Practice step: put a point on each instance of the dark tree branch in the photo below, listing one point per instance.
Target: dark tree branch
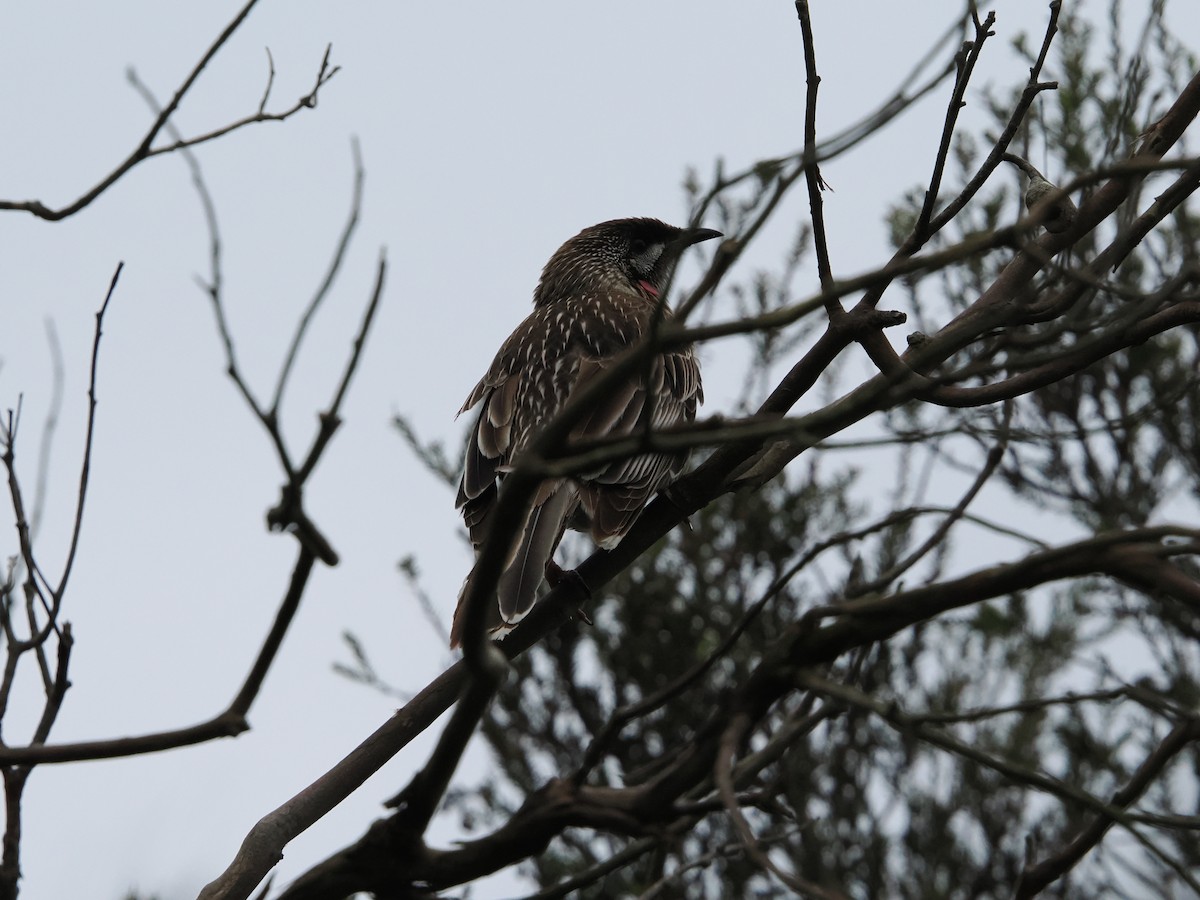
(86, 468)
(418, 801)
(1108, 814)
(787, 169)
(965, 63)
(998, 304)
(731, 738)
(860, 623)
(145, 150)
(56, 683)
(323, 289)
(330, 418)
(1036, 878)
(289, 514)
(812, 175)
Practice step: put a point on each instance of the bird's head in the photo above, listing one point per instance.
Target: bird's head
(627, 254)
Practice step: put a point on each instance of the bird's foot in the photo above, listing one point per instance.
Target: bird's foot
(675, 495)
(556, 575)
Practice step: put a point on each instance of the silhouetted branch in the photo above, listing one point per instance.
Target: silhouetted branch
(86, 468)
(313, 546)
(735, 733)
(785, 170)
(1108, 813)
(40, 597)
(965, 62)
(1036, 878)
(812, 175)
(145, 150)
(322, 292)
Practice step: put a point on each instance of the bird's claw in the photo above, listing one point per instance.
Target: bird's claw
(556, 575)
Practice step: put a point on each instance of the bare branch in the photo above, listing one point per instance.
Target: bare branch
(86, 468)
(145, 150)
(335, 265)
(49, 427)
(330, 418)
(812, 175)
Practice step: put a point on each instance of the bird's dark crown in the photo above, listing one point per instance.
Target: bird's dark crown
(620, 254)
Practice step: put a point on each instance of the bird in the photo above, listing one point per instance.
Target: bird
(1056, 215)
(599, 294)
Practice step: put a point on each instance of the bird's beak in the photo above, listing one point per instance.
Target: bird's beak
(696, 235)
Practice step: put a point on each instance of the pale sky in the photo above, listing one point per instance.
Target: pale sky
(490, 133)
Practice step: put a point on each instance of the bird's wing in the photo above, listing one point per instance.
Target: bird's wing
(499, 425)
(538, 370)
(507, 415)
(488, 448)
(666, 395)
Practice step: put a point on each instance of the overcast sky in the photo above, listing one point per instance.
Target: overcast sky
(490, 133)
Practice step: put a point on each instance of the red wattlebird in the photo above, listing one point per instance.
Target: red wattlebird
(598, 295)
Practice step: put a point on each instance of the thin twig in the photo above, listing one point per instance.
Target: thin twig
(262, 104)
(145, 150)
(966, 60)
(938, 535)
(86, 468)
(812, 174)
(322, 292)
(1108, 814)
(329, 419)
(49, 427)
(732, 737)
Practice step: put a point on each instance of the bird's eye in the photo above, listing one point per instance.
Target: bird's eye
(637, 247)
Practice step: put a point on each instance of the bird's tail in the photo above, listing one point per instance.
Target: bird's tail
(523, 573)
